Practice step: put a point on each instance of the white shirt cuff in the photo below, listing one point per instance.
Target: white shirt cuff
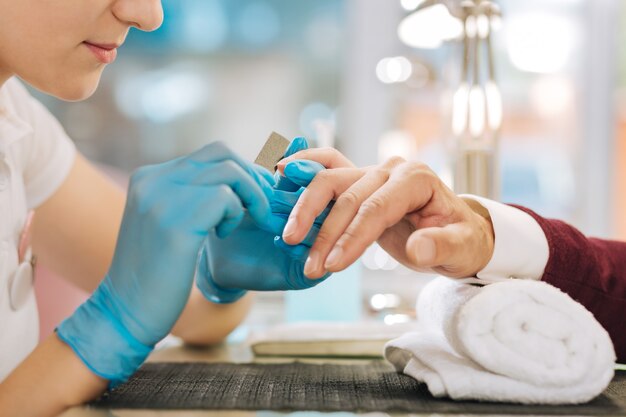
(520, 248)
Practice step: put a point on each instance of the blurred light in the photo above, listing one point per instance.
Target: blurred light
(375, 258)
(460, 103)
(410, 4)
(204, 25)
(324, 132)
(380, 258)
(258, 24)
(482, 24)
(313, 116)
(368, 257)
(394, 70)
(162, 96)
(384, 261)
(494, 105)
(396, 319)
(429, 27)
(382, 301)
(396, 143)
(540, 42)
(476, 111)
(391, 264)
(470, 27)
(420, 76)
(496, 23)
(378, 301)
(551, 96)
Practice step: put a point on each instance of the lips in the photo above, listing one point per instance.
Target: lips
(105, 53)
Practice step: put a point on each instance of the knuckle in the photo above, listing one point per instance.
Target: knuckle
(331, 151)
(394, 161)
(210, 151)
(335, 154)
(224, 192)
(348, 199)
(418, 172)
(230, 166)
(378, 174)
(349, 235)
(418, 165)
(324, 176)
(373, 206)
(324, 238)
(322, 184)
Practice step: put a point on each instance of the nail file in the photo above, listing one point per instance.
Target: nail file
(272, 152)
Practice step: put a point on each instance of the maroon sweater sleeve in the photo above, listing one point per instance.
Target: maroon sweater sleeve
(592, 271)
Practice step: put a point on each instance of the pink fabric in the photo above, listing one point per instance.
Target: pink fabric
(56, 299)
(590, 270)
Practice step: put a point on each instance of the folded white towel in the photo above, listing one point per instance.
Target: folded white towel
(514, 341)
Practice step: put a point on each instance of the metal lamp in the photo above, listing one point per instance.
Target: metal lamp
(477, 103)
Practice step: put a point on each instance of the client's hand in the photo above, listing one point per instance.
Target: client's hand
(403, 205)
(254, 257)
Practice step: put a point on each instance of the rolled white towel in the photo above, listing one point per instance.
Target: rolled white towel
(514, 341)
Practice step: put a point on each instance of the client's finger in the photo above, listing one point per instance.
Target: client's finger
(343, 213)
(329, 157)
(324, 188)
(407, 190)
(444, 249)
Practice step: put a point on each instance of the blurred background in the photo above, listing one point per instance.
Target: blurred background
(345, 73)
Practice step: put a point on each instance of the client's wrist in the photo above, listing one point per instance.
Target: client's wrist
(485, 235)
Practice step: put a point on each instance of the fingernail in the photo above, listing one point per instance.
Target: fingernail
(425, 251)
(334, 257)
(311, 264)
(290, 227)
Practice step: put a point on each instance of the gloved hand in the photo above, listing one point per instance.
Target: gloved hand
(170, 210)
(254, 257)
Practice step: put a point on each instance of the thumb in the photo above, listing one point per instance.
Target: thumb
(444, 249)
(296, 145)
(302, 172)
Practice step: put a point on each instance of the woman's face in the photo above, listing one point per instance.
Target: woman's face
(62, 46)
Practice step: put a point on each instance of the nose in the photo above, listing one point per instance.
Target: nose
(146, 15)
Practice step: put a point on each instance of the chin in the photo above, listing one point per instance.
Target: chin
(76, 91)
(71, 87)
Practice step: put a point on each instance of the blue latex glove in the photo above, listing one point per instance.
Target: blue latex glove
(171, 208)
(254, 257)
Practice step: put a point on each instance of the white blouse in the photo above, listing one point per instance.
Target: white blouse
(35, 158)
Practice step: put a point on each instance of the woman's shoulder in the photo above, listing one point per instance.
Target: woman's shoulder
(16, 100)
(13, 92)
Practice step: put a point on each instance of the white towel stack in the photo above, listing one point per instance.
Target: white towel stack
(513, 341)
